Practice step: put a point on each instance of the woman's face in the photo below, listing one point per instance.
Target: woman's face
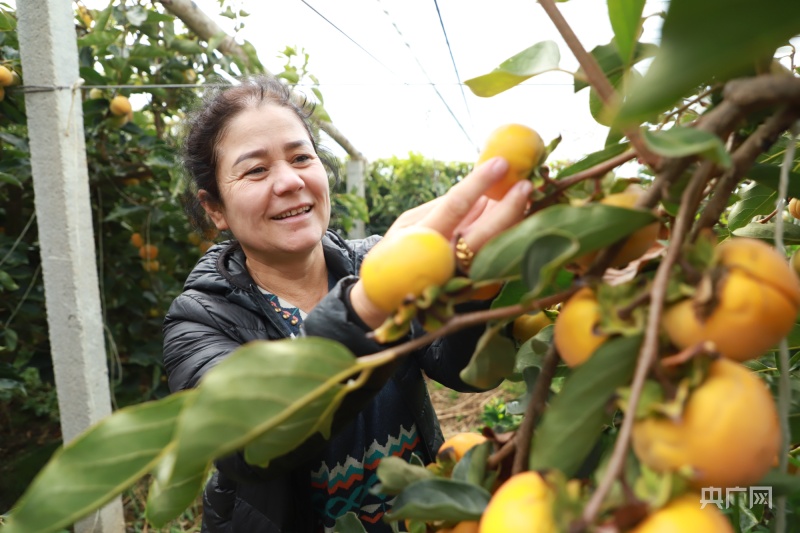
(274, 188)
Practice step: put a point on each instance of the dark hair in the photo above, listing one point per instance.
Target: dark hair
(208, 122)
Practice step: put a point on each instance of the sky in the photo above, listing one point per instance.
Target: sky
(391, 83)
(391, 71)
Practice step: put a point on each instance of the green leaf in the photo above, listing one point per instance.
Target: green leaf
(7, 282)
(537, 59)
(12, 337)
(472, 467)
(395, 474)
(97, 466)
(545, 257)
(754, 200)
(709, 41)
(533, 351)
(349, 523)
(187, 47)
(575, 417)
(440, 499)
(286, 391)
(7, 21)
(769, 175)
(781, 483)
(766, 232)
(681, 141)
(593, 226)
(17, 142)
(99, 39)
(166, 498)
(611, 63)
(492, 362)
(594, 159)
(626, 21)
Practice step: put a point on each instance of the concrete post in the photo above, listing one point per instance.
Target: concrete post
(49, 53)
(356, 168)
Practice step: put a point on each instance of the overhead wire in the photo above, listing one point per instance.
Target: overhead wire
(433, 85)
(452, 58)
(337, 28)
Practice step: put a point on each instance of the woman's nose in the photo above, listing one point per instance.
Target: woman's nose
(286, 179)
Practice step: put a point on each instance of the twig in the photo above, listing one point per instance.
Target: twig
(497, 458)
(743, 159)
(784, 383)
(649, 350)
(740, 97)
(691, 102)
(768, 217)
(534, 410)
(460, 322)
(597, 171)
(596, 77)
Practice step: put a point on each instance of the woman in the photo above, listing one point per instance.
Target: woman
(257, 172)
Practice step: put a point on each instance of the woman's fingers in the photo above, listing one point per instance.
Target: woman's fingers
(462, 197)
(501, 216)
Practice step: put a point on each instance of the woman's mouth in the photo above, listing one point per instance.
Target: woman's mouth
(292, 212)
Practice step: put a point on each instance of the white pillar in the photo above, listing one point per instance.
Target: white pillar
(49, 52)
(355, 171)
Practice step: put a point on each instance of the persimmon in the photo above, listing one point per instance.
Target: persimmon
(148, 251)
(151, 265)
(404, 264)
(521, 146)
(754, 302)
(524, 502)
(120, 106)
(685, 513)
(137, 240)
(467, 526)
(794, 208)
(635, 244)
(6, 77)
(460, 443)
(575, 333)
(727, 435)
(527, 326)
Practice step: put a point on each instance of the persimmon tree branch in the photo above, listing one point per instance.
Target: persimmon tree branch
(465, 320)
(647, 355)
(741, 97)
(743, 158)
(596, 77)
(534, 410)
(205, 28)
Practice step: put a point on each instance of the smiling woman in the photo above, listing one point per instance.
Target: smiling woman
(256, 172)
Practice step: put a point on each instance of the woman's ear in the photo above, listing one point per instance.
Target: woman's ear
(213, 209)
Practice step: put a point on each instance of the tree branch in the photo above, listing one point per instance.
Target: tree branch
(205, 28)
(534, 410)
(649, 350)
(743, 158)
(596, 77)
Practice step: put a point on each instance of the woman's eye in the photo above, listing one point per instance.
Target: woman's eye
(256, 170)
(302, 158)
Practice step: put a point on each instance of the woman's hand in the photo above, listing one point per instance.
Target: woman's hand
(463, 212)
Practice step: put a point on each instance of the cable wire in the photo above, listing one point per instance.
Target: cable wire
(337, 28)
(452, 59)
(433, 85)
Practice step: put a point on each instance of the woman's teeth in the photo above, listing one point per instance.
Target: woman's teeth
(293, 212)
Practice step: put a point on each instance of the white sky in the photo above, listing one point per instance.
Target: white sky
(381, 99)
(376, 80)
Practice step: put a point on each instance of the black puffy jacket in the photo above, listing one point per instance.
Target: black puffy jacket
(221, 308)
